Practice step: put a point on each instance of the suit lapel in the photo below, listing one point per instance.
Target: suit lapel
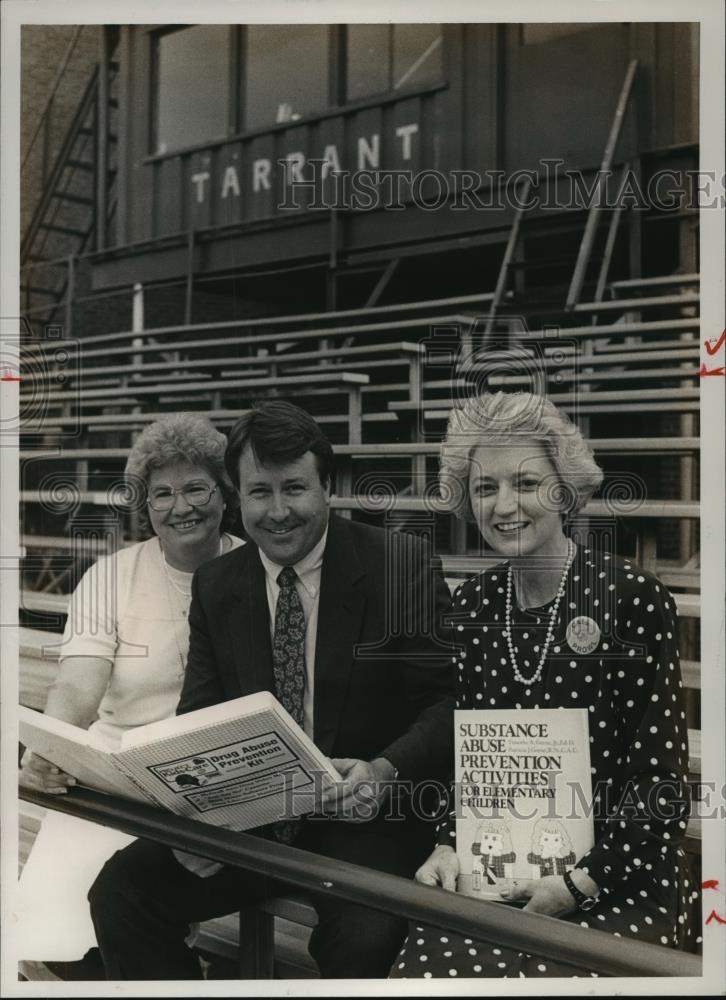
(248, 624)
(342, 605)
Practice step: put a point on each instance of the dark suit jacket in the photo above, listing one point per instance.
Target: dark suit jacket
(383, 677)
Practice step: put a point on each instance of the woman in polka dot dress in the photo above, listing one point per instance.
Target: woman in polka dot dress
(518, 466)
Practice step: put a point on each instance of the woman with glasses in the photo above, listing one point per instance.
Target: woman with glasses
(125, 643)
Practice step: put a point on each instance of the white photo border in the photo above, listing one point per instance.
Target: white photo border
(710, 14)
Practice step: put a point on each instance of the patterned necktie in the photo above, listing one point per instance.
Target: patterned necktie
(288, 664)
(288, 646)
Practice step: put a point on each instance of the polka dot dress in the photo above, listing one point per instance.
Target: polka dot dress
(631, 686)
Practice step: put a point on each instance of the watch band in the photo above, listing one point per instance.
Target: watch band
(583, 901)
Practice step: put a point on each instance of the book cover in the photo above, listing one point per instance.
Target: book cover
(240, 764)
(74, 751)
(523, 791)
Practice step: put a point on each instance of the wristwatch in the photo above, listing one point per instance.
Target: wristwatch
(583, 902)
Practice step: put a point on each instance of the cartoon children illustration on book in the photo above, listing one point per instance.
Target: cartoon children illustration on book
(551, 848)
(492, 850)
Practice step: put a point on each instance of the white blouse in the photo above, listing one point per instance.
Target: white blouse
(131, 608)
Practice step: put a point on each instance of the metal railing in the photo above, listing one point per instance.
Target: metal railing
(51, 182)
(588, 949)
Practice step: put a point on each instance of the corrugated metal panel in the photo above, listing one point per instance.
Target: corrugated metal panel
(242, 180)
(561, 95)
(663, 81)
(479, 96)
(685, 90)
(168, 202)
(138, 179)
(500, 106)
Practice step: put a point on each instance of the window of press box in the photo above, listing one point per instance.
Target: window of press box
(286, 73)
(192, 86)
(386, 57)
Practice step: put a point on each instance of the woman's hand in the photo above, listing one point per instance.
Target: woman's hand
(42, 776)
(74, 698)
(440, 868)
(548, 895)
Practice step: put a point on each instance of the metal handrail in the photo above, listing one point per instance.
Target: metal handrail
(596, 951)
(51, 182)
(588, 237)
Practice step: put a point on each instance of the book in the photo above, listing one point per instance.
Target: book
(523, 795)
(239, 764)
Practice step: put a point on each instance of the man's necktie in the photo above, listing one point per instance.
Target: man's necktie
(288, 664)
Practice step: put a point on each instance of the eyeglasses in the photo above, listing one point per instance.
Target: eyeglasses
(196, 495)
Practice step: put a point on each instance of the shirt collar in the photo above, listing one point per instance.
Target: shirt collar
(308, 569)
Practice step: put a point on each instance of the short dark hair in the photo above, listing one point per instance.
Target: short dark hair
(278, 432)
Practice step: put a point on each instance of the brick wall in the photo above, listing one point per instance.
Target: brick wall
(42, 50)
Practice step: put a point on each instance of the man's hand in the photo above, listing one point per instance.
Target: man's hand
(357, 798)
(548, 895)
(440, 868)
(42, 776)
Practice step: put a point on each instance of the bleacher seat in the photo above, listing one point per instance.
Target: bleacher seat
(377, 361)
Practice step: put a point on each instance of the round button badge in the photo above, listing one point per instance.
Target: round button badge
(583, 634)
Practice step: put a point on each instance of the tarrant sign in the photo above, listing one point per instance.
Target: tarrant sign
(261, 170)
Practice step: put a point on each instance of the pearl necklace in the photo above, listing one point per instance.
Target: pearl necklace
(571, 550)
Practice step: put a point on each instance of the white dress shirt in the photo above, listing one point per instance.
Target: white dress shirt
(308, 572)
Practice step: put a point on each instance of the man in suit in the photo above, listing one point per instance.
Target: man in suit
(342, 622)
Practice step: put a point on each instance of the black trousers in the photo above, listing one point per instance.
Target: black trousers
(143, 902)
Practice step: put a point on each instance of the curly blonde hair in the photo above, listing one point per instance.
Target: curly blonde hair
(506, 417)
(182, 437)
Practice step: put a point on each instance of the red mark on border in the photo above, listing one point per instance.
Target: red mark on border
(719, 344)
(715, 916)
(711, 371)
(710, 883)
